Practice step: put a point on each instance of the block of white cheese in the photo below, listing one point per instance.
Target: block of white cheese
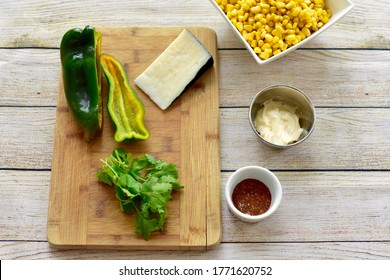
(175, 70)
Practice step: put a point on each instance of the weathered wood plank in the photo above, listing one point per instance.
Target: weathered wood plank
(27, 136)
(316, 206)
(24, 197)
(29, 77)
(225, 251)
(328, 77)
(19, 21)
(321, 206)
(344, 138)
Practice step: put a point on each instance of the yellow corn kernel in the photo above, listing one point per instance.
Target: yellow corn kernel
(265, 46)
(287, 17)
(304, 15)
(276, 33)
(258, 17)
(264, 55)
(245, 7)
(276, 52)
(279, 28)
(290, 31)
(240, 26)
(258, 36)
(244, 17)
(278, 18)
(295, 12)
(303, 36)
(290, 37)
(306, 31)
(268, 37)
(264, 6)
(254, 43)
(280, 4)
(257, 50)
(229, 7)
(256, 10)
(249, 37)
(248, 27)
(290, 5)
(257, 25)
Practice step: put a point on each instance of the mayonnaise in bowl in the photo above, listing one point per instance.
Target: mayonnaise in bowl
(282, 116)
(278, 123)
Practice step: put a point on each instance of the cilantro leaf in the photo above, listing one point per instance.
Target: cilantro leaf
(143, 185)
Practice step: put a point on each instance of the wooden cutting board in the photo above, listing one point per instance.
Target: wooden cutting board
(84, 213)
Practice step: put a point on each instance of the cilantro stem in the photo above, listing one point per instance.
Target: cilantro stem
(109, 166)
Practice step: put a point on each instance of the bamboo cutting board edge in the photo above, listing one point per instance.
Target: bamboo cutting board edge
(191, 237)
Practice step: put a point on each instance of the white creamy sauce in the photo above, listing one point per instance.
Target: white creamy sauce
(278, 123)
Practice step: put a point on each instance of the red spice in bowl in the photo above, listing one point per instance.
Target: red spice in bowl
(251, 197)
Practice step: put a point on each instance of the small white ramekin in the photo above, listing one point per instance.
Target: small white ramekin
(261, 174)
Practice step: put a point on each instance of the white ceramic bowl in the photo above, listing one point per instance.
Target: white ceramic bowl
(339, 9)
(261, 174)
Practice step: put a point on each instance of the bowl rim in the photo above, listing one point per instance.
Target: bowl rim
(296, 90)
(230, 187)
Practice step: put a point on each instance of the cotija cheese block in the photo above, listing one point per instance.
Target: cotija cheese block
(175, 70)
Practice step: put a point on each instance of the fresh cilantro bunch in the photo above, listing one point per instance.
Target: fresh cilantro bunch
(143, 185)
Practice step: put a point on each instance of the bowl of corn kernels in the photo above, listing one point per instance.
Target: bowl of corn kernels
(270, 29)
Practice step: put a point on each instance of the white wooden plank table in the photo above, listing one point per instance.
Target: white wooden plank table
(336, 202)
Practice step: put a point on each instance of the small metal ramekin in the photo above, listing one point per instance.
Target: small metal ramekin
(289, 95)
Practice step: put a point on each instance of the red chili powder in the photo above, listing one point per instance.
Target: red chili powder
(252, 197)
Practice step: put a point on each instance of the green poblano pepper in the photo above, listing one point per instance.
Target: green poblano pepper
(81, 74)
